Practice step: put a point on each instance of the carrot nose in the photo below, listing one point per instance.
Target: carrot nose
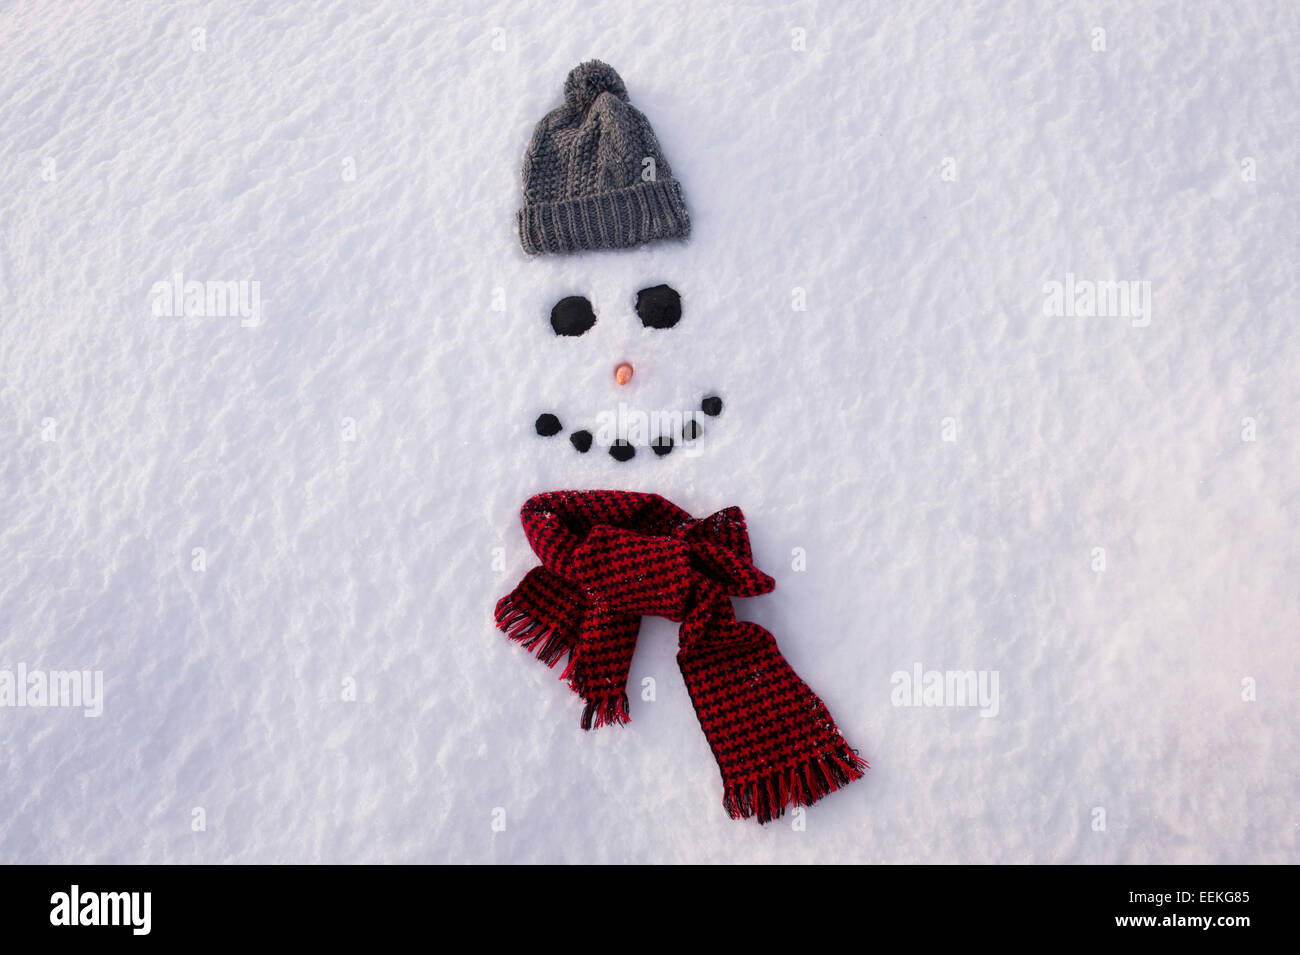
(623, 373)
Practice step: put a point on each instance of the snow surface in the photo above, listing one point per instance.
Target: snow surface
(132, 439)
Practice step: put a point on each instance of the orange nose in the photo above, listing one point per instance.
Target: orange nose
(623, 373)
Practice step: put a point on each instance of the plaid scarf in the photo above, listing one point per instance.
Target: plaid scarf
(609, 558)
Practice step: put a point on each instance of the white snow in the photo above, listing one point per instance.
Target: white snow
(1157, 696)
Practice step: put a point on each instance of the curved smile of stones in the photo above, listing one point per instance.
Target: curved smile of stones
(624, 432)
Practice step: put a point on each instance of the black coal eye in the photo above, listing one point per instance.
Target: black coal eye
(659, 306)
(572, 316)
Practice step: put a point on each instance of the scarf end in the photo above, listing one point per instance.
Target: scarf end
(800, 783)
(606, 711)
(548, 644)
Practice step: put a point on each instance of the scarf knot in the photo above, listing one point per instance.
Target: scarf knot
(608, 558)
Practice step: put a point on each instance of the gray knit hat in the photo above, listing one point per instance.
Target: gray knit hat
(594, 176)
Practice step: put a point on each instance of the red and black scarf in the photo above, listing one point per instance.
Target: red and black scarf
(612, 557)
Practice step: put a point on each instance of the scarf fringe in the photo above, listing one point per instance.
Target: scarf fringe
(606, 711)
(801, 783)
(570, 669)
(548, 644)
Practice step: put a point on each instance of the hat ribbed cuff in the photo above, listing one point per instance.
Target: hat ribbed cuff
(607, 220)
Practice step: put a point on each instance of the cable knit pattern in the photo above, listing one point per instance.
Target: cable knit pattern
(585, 173)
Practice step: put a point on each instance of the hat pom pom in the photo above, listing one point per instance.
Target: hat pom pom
(588, 80)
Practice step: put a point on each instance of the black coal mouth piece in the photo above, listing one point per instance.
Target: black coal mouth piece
(676, 434)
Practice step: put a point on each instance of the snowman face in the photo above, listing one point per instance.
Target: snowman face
(658, 308)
